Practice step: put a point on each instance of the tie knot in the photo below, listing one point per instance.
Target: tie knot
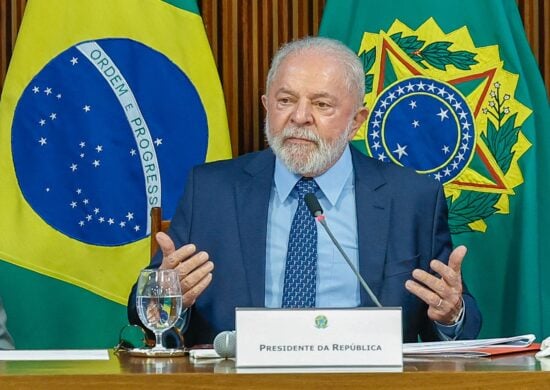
(305, 186)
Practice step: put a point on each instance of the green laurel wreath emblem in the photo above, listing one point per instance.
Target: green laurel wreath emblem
(435, 54)
(468, 208)
(321, 322)
(500, 137)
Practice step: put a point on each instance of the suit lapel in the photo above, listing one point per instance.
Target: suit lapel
(373, 213)
(252, 194)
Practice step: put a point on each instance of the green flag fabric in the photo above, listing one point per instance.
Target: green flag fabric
(106, 107)
(455, 93)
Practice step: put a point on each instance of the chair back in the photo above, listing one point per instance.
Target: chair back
(157, 225)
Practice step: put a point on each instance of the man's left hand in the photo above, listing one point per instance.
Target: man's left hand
(442, 294)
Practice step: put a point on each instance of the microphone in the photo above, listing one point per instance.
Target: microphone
(316, 210)
(225, 343)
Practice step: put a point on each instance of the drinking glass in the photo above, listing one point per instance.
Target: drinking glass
(159, 301)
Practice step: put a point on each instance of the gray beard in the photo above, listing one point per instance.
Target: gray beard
(307, 160)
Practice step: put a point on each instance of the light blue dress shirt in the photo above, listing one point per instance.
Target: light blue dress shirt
(337, 285)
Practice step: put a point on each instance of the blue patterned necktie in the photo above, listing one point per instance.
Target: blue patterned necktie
(301, 258)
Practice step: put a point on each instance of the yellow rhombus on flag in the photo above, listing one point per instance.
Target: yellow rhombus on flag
(107, 105)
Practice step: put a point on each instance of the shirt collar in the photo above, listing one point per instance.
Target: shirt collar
(331, 182)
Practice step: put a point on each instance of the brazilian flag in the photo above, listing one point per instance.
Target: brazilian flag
(455, 93)
(107, 105)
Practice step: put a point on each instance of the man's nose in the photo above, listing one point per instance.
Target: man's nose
(302, 114)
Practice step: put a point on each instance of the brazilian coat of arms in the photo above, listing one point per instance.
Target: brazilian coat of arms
(446, 108)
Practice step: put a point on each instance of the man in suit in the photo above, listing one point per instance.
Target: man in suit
(230, 235)
(6, 342)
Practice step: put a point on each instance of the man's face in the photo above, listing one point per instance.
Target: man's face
(311, 115)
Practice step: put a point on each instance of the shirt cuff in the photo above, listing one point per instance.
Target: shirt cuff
(451, 332)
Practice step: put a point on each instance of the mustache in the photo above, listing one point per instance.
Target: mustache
(300, 132)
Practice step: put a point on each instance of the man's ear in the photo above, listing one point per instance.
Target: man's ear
(264, 101)
(358, 119)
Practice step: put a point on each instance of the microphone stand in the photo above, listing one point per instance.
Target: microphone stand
(315, 208)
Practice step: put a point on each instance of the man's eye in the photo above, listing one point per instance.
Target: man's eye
(323, 105)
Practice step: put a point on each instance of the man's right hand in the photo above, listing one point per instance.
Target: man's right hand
(194, 268)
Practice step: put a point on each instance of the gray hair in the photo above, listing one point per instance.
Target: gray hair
(354, 76)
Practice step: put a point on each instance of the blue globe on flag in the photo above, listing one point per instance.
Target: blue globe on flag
(424, 124)
(105, 131)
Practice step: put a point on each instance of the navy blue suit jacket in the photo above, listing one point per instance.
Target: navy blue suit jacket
(401, 221)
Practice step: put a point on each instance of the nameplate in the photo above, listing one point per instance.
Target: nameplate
(319, 337)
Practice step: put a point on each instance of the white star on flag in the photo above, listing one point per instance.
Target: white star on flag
(400, 151)
(443, 114)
